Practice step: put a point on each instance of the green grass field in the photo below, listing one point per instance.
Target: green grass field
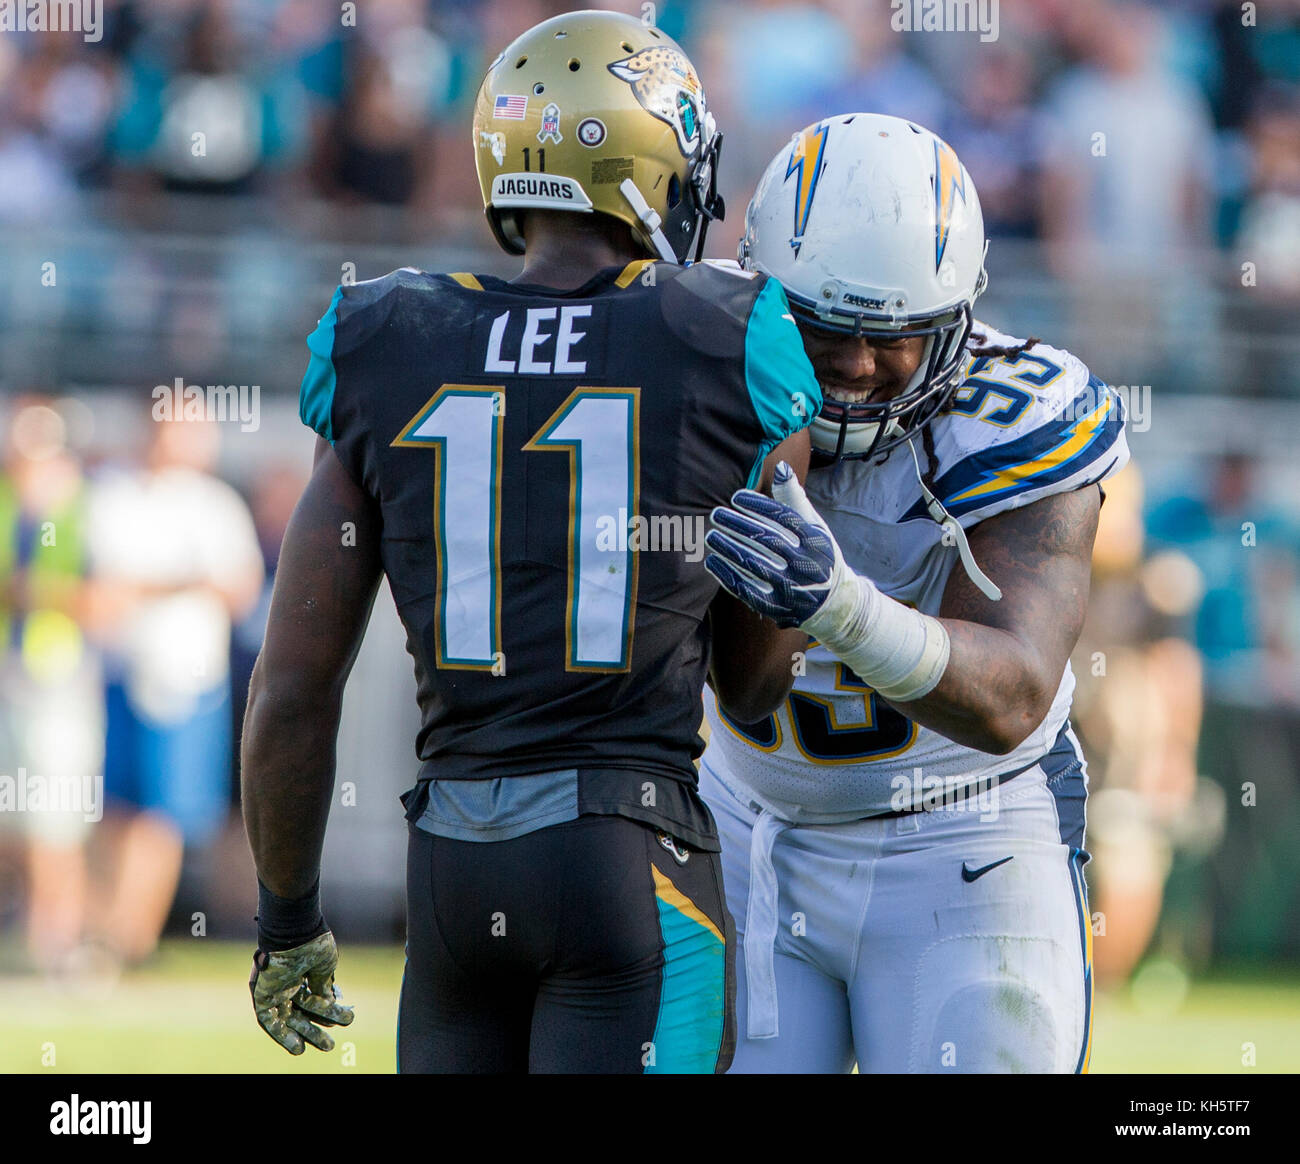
(189, 1011)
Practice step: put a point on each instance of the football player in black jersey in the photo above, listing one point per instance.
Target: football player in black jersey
(531, 464)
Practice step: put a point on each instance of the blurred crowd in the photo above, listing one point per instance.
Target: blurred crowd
(134, 584)
(1188, 704)
(368, 104)
(269, 130)
(1145, 157)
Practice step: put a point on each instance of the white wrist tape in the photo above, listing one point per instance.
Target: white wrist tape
(898, 651)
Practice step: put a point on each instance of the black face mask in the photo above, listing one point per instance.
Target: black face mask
(698, 203)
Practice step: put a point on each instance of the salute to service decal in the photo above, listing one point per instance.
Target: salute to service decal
(550, 124)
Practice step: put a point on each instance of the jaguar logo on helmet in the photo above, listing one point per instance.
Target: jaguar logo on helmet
(667, 88)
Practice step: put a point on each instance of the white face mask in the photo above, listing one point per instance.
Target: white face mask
(825, 435)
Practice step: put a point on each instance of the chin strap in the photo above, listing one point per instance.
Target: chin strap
(649, 219)
(935, 507)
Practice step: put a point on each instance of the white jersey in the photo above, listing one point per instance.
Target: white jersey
(1016, 431)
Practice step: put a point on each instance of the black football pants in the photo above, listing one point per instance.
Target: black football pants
(582, 947)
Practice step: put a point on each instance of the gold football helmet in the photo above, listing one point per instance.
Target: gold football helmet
(597, 112)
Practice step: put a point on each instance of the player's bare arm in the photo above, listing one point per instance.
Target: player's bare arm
(324, 589)
(752, 669)
(982, 673)
(1006, 657)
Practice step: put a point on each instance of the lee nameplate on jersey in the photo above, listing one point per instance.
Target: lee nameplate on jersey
(566, 339)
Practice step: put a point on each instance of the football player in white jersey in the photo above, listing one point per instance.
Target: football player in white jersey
(903, 839)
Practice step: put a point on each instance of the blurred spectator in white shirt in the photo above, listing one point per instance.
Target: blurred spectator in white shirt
(175, 559)
(1128, 150)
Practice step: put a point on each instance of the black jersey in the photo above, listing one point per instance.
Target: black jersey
(545, 464)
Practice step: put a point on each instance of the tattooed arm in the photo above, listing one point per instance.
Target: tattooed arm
(1007, 657)
(751, 668)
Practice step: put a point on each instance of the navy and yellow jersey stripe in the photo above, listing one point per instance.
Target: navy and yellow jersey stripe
(1014, 435)
(1082, 445)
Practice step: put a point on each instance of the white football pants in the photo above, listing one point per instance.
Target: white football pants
(872, 941)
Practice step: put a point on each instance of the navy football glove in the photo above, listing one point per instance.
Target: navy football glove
(775, 554)
(778, 557)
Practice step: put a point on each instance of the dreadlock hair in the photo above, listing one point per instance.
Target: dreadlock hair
(1002, 351)
(995, 351)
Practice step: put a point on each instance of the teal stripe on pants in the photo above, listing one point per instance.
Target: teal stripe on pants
(692, 1000)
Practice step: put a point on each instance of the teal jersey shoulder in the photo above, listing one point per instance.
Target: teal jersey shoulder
(355, 313)
(316, 395)
(782, 386)
(782, 390)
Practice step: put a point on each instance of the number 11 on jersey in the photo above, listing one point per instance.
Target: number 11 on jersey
(599, 429)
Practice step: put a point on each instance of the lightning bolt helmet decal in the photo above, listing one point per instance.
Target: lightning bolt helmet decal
(806, 159)
(949, 185)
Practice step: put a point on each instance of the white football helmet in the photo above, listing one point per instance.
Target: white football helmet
(872, 225)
